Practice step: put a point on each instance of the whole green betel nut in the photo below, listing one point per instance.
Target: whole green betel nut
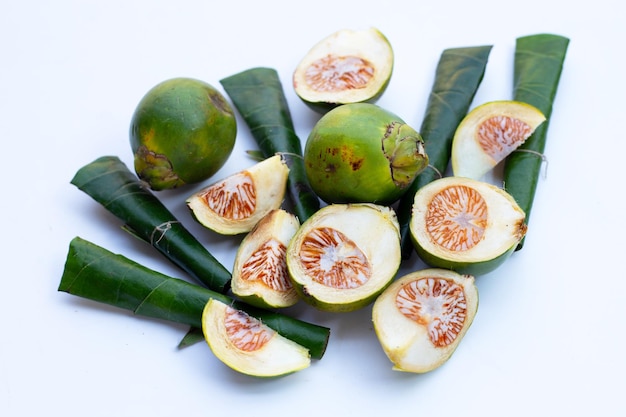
(363, 153)
(182, 132)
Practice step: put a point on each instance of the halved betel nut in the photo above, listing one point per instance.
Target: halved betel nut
(489, 133)
(421, 318)
(348, 66)
(344, 255)
(260, 275)
(465, 225)
(247, 345)
(235, 204)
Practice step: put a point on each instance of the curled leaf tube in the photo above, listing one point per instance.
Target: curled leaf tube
(457, 78)
(94, 273)
(259, 97)
(109, 181)
(537, 71)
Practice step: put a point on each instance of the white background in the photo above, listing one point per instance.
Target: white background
(548, 337)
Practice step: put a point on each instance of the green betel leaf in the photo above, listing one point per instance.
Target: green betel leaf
(537, 71)
(457, 78)
(95, 273)
(193, 336)
(259, 97)
(109, 181)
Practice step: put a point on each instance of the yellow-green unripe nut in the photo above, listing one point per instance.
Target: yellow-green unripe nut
(363, 153)
(182, 132)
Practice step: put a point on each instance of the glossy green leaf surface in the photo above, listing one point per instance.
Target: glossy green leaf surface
(457, 78)
(537, 71)
(258, 95)
(95, 273)
(109, 181)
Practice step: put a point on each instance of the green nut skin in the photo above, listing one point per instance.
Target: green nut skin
(362, 153)
(182, 132)
(469, 268)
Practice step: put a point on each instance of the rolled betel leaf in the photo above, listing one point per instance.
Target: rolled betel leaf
(538, 64)
(258, 95)
(109, 181)
(457, 78)
(93, 272)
